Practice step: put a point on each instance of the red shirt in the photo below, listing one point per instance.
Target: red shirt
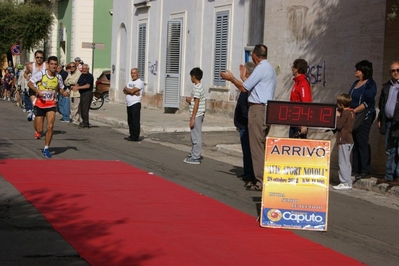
(301, 91)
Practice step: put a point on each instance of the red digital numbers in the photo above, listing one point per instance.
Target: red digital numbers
(307, 113)
(296, 113)
(325, 115)
(301, 114)
(283, 113)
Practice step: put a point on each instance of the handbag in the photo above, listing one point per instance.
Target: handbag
(358, 122)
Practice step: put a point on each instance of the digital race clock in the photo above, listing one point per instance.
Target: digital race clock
(301, 114)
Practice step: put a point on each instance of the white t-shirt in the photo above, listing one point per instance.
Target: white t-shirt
(41, 69)
(133, 99)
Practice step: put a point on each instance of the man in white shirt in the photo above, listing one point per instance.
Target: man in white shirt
(133, 92)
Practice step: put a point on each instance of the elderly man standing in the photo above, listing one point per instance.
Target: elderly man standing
(85, 87)
(388, 124)
(133, 92)
(261, 84)
(74, 96)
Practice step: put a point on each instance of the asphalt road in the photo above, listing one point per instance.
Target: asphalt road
(362, 225)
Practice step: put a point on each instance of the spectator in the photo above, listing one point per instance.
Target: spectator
(23, 83)
(261, 84)
(63, 100)
(85, 88)
(388, 124)
(79, 63)
(74, 96)
(133, 92)
(197, 113)
(363, 92)
(345, 118)
(241, 122)
(301, 92)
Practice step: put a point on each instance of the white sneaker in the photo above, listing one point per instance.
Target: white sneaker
(5, 98)
(343, 186)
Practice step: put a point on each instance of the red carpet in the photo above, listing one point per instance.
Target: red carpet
(115, 214)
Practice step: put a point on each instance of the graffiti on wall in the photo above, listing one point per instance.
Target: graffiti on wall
(317, 74)
(153, 67)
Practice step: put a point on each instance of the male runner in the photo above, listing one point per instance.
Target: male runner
(38, 66)
(45, 84)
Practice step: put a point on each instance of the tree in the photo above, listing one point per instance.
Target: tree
(27, 24)
(392, 15)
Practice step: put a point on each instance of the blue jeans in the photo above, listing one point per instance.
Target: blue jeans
(28, 103)
(392, 150)
(64, 107)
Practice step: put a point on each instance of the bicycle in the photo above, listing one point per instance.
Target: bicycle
(98, 101)
(17, 96)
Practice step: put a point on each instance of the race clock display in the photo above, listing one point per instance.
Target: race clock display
(301, 114)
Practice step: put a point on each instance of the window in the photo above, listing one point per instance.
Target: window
(221, 41)
(141, 50)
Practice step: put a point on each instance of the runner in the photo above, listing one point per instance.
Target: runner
(45, 84)
(38, 66)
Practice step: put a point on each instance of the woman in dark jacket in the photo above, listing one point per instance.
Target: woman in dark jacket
(363, 92)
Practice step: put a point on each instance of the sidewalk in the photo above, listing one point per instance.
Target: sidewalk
(155, 121)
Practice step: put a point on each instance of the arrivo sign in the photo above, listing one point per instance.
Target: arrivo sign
(15, 50)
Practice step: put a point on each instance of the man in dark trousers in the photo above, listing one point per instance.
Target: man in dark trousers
(85, 87)
(388, 123)
(133, 91)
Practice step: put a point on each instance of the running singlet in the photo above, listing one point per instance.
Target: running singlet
(48, 87)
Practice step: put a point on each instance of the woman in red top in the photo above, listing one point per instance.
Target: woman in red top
(301, 92)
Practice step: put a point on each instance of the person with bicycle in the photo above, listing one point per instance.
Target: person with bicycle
(8, 81)
(45, 84)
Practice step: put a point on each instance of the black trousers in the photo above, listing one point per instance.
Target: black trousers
(133, 119)
(84, 106)
(361, 152)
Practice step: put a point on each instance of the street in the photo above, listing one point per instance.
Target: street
(359, 228)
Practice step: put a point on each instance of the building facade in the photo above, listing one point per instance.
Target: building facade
(82, 25)
(166, 39)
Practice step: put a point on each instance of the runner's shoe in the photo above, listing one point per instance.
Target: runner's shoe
(37, 135)
(46, 153)
(30, 115)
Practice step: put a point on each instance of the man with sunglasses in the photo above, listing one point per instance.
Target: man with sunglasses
(388, 124)
(38, 66)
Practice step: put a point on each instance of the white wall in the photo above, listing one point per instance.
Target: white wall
(331, 35)
(82, 30)
(197, 44)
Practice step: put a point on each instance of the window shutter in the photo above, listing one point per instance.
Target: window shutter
(221, 41)
(141, 52)
(173, 54)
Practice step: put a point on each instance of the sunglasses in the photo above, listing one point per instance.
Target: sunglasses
(39, 57)
(395, 70)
